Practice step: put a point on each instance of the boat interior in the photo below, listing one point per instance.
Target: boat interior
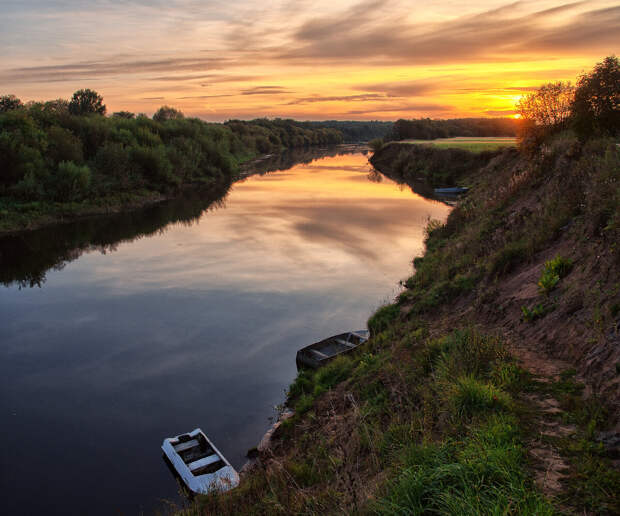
(336, 345)
(198, 454)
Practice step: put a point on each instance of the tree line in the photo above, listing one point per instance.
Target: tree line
(69, 150)
(429, 129)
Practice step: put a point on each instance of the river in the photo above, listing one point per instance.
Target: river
(116, 332)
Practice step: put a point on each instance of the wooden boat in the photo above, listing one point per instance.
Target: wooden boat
(455, 190)
(320, 353)
(199, 463)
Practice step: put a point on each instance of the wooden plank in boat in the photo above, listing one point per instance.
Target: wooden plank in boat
(345, 343)
(203, 462)
(186, 445)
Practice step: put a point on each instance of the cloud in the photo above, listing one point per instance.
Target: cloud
(343, 98)
(204, 96)
(265, 90)
(407, 88)
(422, 108)
(108, 67)
(500, 112)
(501, 34)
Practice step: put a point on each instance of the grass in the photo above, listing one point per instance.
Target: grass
(474, 145)
(422, 420)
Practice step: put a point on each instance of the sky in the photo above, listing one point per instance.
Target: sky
(309, 60)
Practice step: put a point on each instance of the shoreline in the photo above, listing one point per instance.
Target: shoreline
(66, 213)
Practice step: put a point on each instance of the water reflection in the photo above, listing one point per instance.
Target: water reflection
(26, 258)
(193, 320)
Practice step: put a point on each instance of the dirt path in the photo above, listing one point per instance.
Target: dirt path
(548, 464)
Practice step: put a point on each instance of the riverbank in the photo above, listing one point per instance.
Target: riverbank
(60, 164)
(491, 385)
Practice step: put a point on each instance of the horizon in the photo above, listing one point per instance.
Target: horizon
(365, 61)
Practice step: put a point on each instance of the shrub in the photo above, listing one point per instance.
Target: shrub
(553, 271)
(376, 144)
(534, 313)
(71, 181)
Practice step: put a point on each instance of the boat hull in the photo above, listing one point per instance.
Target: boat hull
(322, 352)
(222, 479)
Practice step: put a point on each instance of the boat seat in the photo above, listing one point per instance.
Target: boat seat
(201, 463)
(345, 343)
(186, 445)
(318, 354)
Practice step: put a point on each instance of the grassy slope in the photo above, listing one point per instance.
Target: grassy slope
(455, 405)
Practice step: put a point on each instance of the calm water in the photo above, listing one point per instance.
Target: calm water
(118, 332)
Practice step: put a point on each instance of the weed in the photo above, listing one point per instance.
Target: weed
(536, 312)
(553, 271)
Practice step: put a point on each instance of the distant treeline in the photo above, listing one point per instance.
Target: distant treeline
(353, 131)
(428, 129)
(68, 151)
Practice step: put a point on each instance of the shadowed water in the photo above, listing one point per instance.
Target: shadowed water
(118, 332)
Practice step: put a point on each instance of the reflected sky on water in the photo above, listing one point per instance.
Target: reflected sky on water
(186, 324)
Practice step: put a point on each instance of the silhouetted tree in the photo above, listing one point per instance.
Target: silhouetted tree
(596, 108)
(86, 102)
(549, 107)
(124, 114)
(9, 103)
(167, 113)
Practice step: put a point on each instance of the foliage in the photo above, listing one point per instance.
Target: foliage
(9, 103)
(67, 152)
(165, 113)
(428, 129)
(71, 181)
(352, 131)
(550, 106)
(553, 271)
(376, 144)
(596, 108)
(86, 102)
(382, 318)
(531, 314)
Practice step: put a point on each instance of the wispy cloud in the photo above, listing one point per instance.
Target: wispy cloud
(343, 98)
(351, 58)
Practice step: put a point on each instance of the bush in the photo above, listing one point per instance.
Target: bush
(376, 144)
(553, 271)
(71, 181)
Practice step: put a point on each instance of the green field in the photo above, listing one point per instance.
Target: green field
(471, 144)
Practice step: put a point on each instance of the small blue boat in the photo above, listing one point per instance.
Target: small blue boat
(455, 190)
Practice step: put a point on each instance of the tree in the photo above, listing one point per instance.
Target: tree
(9, 103)
(128, 115)
(86, 102)
(167, 113)
(596, 108)
(549, 107)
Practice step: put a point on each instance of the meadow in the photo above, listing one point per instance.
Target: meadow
(471, 144)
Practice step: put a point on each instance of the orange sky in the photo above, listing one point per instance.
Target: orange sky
(302, 59)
